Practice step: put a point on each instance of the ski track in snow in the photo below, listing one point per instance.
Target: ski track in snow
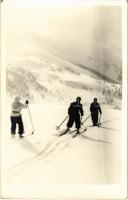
(35, 150)
(61, 142)
(50, 148)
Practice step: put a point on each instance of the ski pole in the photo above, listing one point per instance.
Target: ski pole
(81, 119)
(86, 119)
(58, 127)
(99, 123)
(31, 120)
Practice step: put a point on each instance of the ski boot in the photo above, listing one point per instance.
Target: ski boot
(13, 134)
(21, 136)
(63, 133)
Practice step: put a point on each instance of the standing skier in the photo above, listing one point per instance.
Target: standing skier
(95, 109)
(16, 117)
(75, 112)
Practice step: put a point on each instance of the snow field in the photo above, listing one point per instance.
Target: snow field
(44, 158)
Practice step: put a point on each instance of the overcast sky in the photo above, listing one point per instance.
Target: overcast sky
(68, 21)
(77, 26)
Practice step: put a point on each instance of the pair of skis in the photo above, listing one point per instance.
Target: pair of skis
(67, 130)
(76, 133)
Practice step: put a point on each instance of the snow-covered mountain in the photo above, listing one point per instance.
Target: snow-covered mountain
(99, 58)
(55, 53)
(35, 70)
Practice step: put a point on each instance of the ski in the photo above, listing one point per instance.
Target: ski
(76, 134)
(70, 132)
(64, 132)
(99, 125)
(27, 135)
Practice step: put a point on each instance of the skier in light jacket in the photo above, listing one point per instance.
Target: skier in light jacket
(16, 117)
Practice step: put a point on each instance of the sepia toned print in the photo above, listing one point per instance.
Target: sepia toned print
(64, 80)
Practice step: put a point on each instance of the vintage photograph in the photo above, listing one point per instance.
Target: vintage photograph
(64, 94)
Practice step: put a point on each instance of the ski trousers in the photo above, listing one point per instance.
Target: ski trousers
(94, 117)
(17, 121)
(73, 119)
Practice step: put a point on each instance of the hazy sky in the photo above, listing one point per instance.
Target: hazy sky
(67, 21)
(78, 27)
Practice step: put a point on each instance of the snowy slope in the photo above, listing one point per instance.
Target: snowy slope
(44, 158)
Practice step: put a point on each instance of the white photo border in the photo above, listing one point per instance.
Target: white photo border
(67, 192)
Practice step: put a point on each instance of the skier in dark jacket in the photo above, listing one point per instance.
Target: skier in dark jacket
(75, 112)
(16, 118)
(95, 109)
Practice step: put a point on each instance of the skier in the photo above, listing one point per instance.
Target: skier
(16, 117)
(74, 112)
(95, 109)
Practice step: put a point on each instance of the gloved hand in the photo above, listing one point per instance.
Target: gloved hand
(27, 102)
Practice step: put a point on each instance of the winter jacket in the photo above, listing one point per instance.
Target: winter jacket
(75, 109)
(95, 108)
(16, 109)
